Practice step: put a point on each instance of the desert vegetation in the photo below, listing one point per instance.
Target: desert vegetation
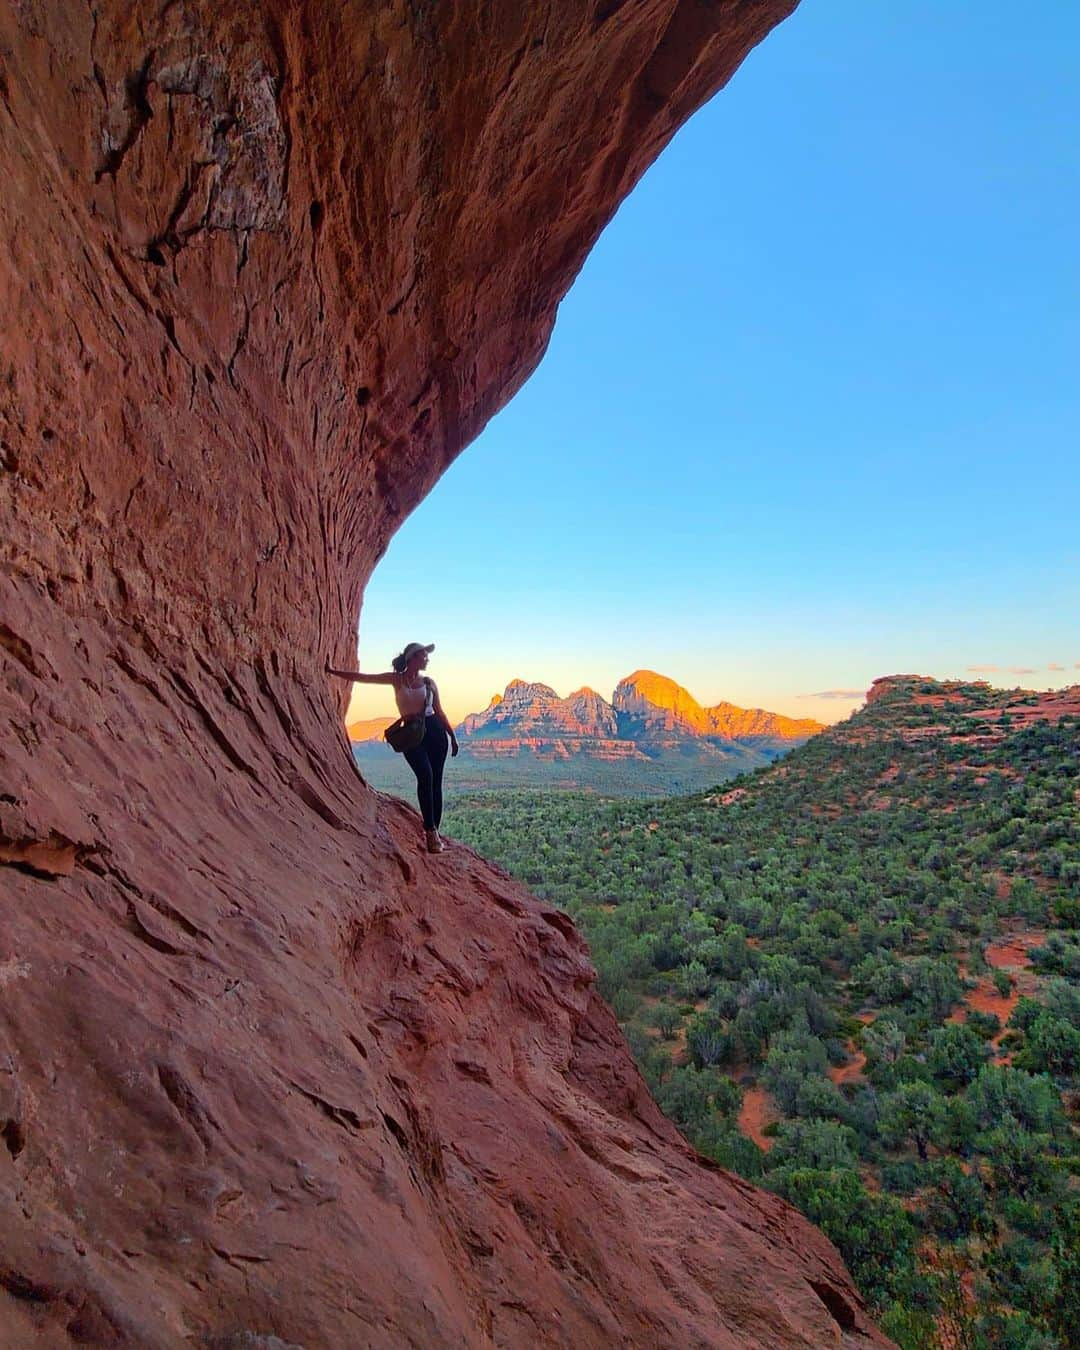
(854, 977)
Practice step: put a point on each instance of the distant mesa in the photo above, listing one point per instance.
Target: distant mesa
(648, 714)
(368, 729)
(645, 695)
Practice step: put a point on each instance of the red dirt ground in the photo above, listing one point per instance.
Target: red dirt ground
(758, 1110)
(1012, 953)
(844, 1073)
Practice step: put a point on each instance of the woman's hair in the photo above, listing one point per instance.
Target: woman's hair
(410, 650)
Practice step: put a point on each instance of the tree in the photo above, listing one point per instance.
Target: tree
(910, 1328)
(1001, 1092)
(820, 1098)
(735, 954)
(724, 999)
(708, 1038)
(1018, 1161)
(1062, 998)
(933, 986)
(881, 977)
(914, 1111)
(956, 1054)
(985, 1025)
(667, 1019)
(883, 1042)
(875, 1236)
(1008, 1330)
(624, 1004)
(686, 1096)
(721, 1141)
(957, 1205)
(1053, 1046)
(693, 979)
(727, 1096)
(1064, 1315)
(792, 1057)
(818, 1144)
(1024, 1277)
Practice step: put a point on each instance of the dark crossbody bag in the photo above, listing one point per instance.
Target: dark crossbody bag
(407, 732)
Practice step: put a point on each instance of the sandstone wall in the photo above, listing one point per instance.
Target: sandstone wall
(265, 1070)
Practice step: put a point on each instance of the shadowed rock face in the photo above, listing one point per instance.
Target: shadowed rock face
(268, 1075)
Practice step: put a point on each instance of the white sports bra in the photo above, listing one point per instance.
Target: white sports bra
(414, 702)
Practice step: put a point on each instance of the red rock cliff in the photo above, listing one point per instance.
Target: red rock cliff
(267, 1075)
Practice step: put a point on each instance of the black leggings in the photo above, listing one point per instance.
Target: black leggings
(427, 761)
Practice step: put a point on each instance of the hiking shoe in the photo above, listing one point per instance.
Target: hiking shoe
(434, 843)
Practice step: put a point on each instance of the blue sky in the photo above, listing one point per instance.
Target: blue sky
(811, 411)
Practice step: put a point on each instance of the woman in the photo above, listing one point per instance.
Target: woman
(417, 693)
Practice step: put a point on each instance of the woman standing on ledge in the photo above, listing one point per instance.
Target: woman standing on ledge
(417, 693)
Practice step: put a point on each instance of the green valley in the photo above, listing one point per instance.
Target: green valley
(854, 977)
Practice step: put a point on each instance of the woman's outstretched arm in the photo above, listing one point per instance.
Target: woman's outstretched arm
(386, 677)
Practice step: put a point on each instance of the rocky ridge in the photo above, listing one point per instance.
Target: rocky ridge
(1017, 706)
(269, 1075)
(648, 714)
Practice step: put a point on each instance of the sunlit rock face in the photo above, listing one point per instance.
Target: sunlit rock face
(268, 1075)
(659, 704)
(531, 718)
(648, 713)
(652, 705)
(536, 710)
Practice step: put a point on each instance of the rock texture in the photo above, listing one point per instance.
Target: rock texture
(269, 1076)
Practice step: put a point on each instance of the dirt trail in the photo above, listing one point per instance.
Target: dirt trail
(844, 1073)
